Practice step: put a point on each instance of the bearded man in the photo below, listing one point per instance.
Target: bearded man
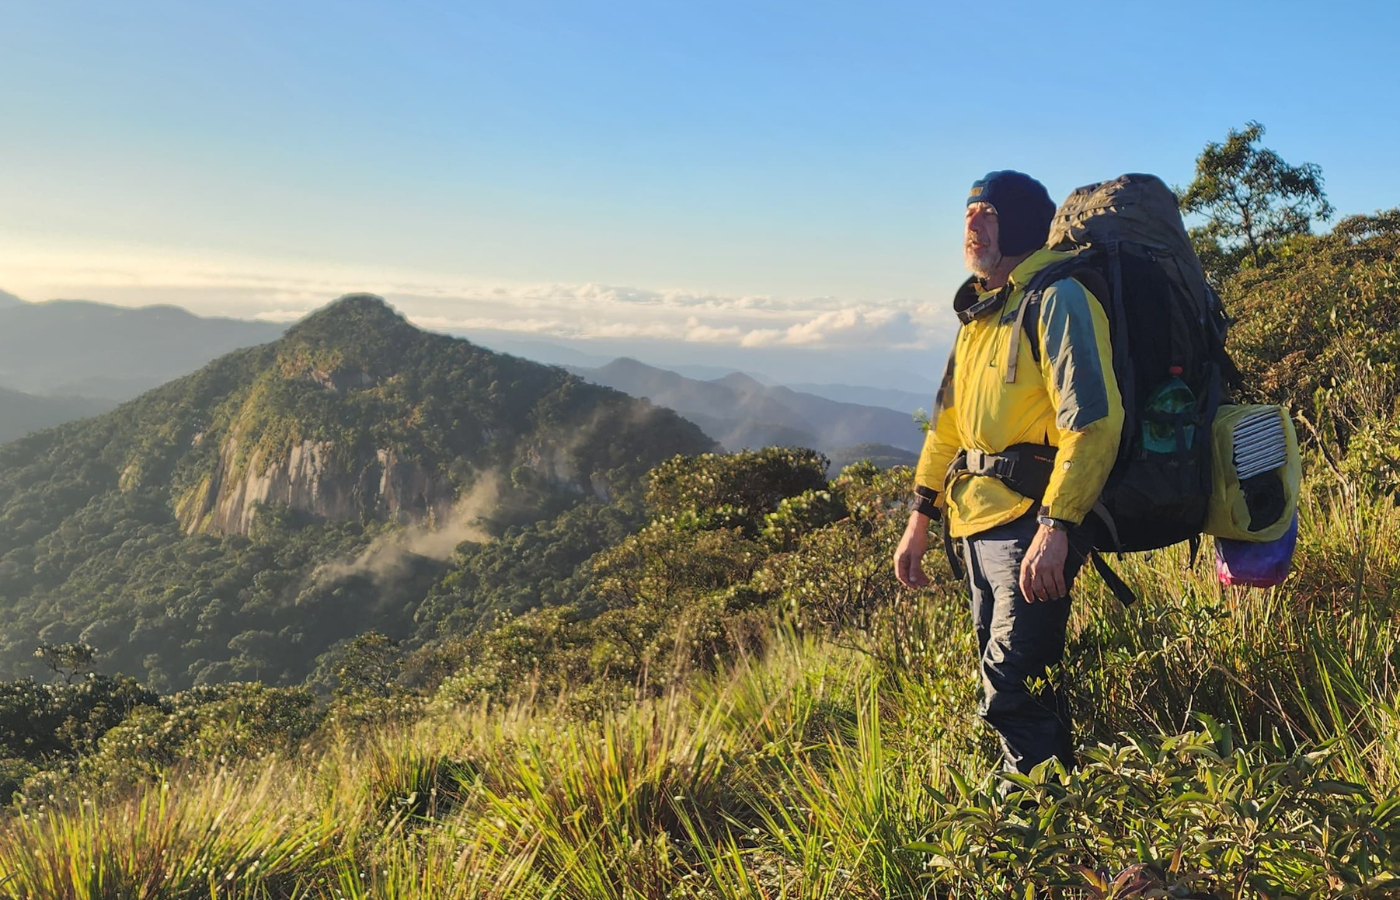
(1024, 432)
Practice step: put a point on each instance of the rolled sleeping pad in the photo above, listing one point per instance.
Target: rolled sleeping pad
(1256, 471)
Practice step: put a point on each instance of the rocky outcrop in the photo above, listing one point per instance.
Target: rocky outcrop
(314, 479)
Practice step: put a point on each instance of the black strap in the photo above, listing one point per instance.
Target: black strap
(970, 305)
(950, 550)
(925, 502)
(955, 468)
(1117, 585)
(1025, 468)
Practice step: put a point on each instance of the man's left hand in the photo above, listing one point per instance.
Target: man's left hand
(1043, 569)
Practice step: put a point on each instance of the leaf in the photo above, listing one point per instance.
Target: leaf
(959, 782)
(1340, 788)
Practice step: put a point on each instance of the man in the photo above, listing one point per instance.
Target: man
(1008, 407)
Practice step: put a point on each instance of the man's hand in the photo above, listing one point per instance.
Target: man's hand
(908, 559)
(1043, 569)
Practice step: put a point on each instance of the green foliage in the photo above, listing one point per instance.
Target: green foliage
(538, 649)
(1252, 200)
(42, 722)
(531, 566)
(224, 724)
(796, 516)
(1319, 332)
(838, 575)
(367, 666)
(1186, 816)
(732, 490)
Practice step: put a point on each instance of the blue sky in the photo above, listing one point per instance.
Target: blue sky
(774, 185)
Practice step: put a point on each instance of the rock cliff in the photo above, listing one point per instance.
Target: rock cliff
(313, 479)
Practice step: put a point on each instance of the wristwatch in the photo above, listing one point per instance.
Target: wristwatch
(1054, 523)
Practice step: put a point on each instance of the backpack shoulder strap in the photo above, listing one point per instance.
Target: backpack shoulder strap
(1076, 269)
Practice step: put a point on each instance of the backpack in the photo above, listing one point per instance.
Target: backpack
(1131, 252)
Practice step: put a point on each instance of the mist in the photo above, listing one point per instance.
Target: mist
(390, 556)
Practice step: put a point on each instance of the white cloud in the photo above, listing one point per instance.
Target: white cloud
(280, 291)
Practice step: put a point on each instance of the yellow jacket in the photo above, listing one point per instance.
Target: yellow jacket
(1069, 400)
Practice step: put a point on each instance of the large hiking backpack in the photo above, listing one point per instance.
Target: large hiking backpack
(1131, 251)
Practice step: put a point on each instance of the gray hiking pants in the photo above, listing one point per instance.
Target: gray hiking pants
(1018, 641)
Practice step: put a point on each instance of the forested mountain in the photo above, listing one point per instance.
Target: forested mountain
(742, 413)
(882, 455)
(22, 413)
(239, 521)
(113, 352)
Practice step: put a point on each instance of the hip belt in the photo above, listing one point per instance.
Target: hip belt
(1026, 469)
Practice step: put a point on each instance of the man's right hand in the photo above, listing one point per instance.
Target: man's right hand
(908, 559)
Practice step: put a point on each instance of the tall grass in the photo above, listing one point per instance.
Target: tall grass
(232, 834)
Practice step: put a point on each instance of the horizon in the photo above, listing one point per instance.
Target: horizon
(774, 189)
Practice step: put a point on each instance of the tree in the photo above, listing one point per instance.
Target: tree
(67, 660)
(1251, 199)
(368, 667)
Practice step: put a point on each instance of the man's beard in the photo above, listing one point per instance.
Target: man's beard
(982, 261)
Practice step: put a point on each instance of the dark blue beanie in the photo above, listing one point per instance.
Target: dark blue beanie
(1024, 209)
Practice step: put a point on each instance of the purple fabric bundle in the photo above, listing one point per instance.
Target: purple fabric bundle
(1262, 564)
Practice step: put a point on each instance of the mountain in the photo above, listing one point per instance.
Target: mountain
(7, 300)
(882, 455)
(21, 413)
(741, 412)
(890, 398)
(114, 352)
(239, 521)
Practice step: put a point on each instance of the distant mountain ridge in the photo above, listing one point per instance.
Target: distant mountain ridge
(740, 412)
(22, 414)
(112, 352)
(890, 398)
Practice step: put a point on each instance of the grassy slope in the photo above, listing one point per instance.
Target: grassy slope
(811, 770)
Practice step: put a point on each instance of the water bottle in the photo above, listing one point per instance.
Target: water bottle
(1171, 396)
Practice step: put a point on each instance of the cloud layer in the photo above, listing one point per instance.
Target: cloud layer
(282, 292)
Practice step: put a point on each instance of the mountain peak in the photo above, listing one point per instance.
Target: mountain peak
(738, 381)
(7, 299)
(360, 326)
(360, 309)
(629, 365)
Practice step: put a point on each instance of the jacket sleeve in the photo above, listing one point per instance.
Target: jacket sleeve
(941, 443)
(1077, 365)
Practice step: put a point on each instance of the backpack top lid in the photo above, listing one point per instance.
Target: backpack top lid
(1132, 209)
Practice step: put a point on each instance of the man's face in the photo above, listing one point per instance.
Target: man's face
(981, 248)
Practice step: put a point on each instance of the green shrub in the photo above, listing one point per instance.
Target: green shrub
(1187, 816)
(732, 490)
(222, 724)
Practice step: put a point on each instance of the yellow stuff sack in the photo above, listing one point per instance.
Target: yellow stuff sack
(1260, 507)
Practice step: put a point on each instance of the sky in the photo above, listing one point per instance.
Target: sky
(776, 187)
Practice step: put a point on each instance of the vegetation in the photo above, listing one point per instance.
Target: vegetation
(1251, 199)
(707, 684)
